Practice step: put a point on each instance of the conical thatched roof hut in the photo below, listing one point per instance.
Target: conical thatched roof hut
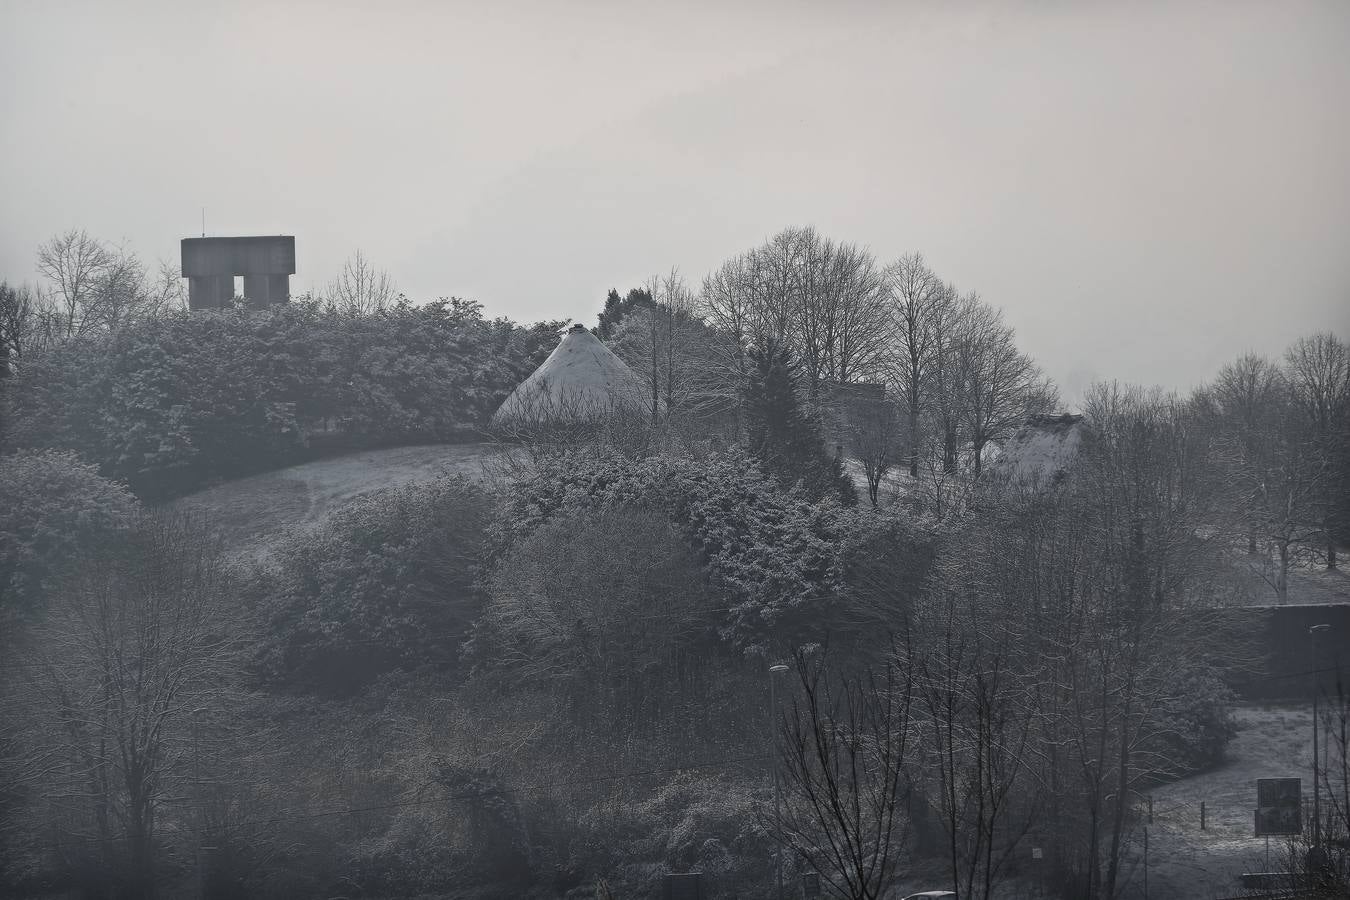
(582, 381)
(1042, 451)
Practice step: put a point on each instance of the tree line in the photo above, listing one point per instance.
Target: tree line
(956, 383)
(89, 285)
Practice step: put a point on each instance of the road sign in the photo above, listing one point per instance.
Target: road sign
(1279, 806)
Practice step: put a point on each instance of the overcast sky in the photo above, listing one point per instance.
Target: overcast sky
(1146, 190)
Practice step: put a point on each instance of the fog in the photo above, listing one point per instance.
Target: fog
(1146, 190)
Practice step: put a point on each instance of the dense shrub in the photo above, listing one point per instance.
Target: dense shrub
(165, 403)
(52, 504)
(387, 582)
(1197, 721)
(606, 604)
(772, 553)
(490, 826)
(699, 823)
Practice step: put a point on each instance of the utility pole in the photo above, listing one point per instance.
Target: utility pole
(197, 801)
(1313, 632)
(773, 762)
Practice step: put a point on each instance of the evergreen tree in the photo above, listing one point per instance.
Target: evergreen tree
(617, 307)
(780, 433)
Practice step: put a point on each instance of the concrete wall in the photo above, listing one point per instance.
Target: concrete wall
(1279, 650)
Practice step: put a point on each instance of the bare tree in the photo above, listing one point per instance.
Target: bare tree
(978, 713)
(826, 301)
(132, 642)
(917, 300)
(841, 314)
(945, 411)
(1318, 371)
(1075, 604)
(162, 291)
(94, 286)
(725, 303)
(24, 324)
(360, 289)
(846, 749)
(1283, 474)
(877, 436)
(999, 385)
(119, 290)
(1246, 401)
(687, 366)
(666, 326)
(74, 264)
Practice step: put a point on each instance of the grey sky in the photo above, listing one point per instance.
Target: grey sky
(1145, 189)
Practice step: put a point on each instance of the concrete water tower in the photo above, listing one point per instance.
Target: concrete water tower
(210, 265)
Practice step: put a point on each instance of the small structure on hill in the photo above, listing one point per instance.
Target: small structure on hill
(1041, 451)
(581, 383)
(210, 265)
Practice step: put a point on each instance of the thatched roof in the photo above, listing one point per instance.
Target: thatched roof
(581, 381)
(1042, 451)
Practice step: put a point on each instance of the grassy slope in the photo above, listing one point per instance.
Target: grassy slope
(251, 512)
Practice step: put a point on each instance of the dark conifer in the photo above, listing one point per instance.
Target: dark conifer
(781, 434)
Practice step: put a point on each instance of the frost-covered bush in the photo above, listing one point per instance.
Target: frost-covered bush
(388, 582)
(52, 504)
(601, 603)
(776, 557)
(166, 402)
(1196, 723)
(414, 856)
(694, 822)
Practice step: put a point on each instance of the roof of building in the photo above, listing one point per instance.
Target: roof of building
(582, 380)
(1041, 451)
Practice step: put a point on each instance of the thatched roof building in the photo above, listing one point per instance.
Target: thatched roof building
(1042, 451)
(582, 381)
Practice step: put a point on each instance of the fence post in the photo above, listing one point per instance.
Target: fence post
(1150, 809)
(1202, 815)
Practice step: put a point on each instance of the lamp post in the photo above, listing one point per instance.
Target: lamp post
(1313, 632)
(773, 764)
(196, 715)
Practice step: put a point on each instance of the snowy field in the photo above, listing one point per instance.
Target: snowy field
(251, 513)
(1185, 861)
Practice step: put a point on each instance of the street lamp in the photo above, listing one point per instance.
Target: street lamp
(196, 715)
(773, 764)
(1313, 632)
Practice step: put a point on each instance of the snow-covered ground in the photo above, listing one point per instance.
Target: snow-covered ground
(251, 513)
(1275, 741)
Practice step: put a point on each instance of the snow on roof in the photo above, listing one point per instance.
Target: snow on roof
(582, 380)
(1041, 450)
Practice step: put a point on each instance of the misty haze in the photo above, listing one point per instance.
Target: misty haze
(689, 451)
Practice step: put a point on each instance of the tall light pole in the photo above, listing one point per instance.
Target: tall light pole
(773, 764)
(1313, 632)
(197, 798)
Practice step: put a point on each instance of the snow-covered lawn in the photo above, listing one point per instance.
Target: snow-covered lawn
(251, 513)
(1184, 861)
